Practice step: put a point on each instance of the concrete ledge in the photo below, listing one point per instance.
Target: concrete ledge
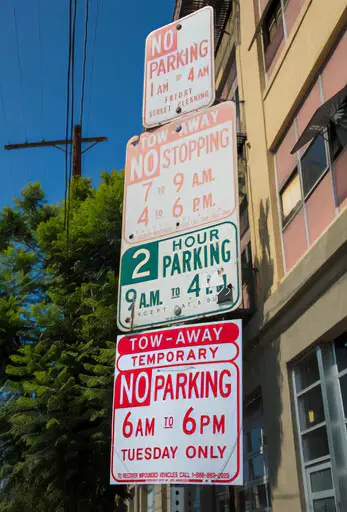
(328, 249)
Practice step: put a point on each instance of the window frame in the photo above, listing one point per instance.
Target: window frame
(248, 424)
(335, 155)
(273, 17)
(322, 136)
(231, 65)
(334, 424)
(285, 222)
(297, 208)
(317, 495)
(339, 374)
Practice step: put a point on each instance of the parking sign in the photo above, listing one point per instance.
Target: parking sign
(179, 68)
(180, 253)
(177, 408)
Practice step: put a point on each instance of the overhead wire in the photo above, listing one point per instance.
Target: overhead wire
(67, 116)
(92, 60)
(84, 61)
(72, 105)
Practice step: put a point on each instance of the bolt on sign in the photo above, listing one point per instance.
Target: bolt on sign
(177, 406)
(179, 68)
(180, 255)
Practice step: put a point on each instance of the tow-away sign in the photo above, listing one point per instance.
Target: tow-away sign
(180, 251)
(177, 409)
(179, 68)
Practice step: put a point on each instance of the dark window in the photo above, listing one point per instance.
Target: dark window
(306, 373)
(321, 480)
(343, 386)
(272, 23)
(341, 352)
(313, 163)
(244, 222)
(264, 495)
(256, 467)
(311, 411)
(236, 98)
(315, 444)
(273, 32)
(229, 77)
(324, 505)
(256, 493)
(338, 132)
(254, 439)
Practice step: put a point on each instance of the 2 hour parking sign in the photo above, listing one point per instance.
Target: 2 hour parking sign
(177, 409)
(180, 254)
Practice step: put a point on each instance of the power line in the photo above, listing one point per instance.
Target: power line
(73, 46)
(73, 40)
(67, 113)
(92, 60)
(84, 62)
(20, 67)
(75, 140)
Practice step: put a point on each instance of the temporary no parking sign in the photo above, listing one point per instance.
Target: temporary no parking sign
(177, 411)
(179, 68)
(180, 252)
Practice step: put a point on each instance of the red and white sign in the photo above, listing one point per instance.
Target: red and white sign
(181, 176)
(179, 68)
(180, 255)
(177, 406)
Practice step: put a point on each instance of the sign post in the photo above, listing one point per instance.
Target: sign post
(177, 409)
(180, 253)
(179, 68)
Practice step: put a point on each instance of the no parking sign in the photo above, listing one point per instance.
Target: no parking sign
(177, 409)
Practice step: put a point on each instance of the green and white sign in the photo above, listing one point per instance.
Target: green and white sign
(180, 240)
(180, 278)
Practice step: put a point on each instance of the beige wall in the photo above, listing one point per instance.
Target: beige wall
(266, 242)
(268, 108)
(310, 40)
(309, 306)
(310, 303)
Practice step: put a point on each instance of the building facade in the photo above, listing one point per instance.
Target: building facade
(284, 64)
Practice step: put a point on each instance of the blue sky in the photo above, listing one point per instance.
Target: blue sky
(33, 85)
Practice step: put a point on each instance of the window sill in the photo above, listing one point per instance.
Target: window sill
(287, 45)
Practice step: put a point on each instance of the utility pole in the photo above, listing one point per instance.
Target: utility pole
(77, 152)
(76, 142)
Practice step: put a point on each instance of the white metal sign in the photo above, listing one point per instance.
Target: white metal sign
(179, 68)
(180, 252)
(177, 411)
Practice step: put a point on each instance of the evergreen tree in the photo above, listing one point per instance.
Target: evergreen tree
(60, 287)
